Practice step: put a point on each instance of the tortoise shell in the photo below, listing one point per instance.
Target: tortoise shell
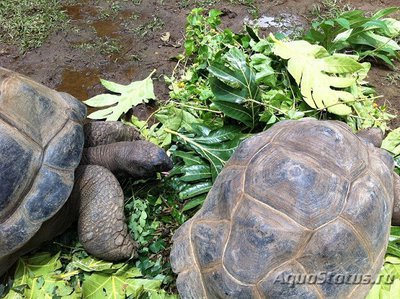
(303, 198)
(41, 142)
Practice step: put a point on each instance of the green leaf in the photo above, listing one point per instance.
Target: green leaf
(225, 93)
(321, 80)
(195, 190)
(343, 22)
(91, 264)
(102, 100)
(388, 282)
(265, 74)
(234, 86)
(237, 112)
(137, 92)
(216, 147)
(220, 135)
(109, 286)
(195, 173)
(174, 119)
(226, 75)
(189, 158)
(343, 36)
(35, 277)
(376, 41)
(195, 202)
(121, 284)
(115, 87)
(384, 12)
(393, 28)
(392, 142)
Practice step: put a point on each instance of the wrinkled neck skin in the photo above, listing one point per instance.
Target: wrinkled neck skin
(137, 159)
(103, 155)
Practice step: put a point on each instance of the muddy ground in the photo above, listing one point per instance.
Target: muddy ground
(121, 41)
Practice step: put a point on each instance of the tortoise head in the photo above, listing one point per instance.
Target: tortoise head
(142, 159)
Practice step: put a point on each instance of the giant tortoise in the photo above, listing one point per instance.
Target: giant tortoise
(302, 210)
(41, 146)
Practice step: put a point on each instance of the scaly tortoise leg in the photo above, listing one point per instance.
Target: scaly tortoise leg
(101, 223)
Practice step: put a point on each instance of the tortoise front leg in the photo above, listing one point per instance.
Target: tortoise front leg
(101, 225)
(396, 202)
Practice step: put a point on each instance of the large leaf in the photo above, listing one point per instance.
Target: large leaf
(216, 153)
(366, 35)
(35, 277)
(234, 86)
(122, 284)
(376, 41)
(91, 264)
(322, 78)
(135, 93)
(195, 173)
(174, 118)
(236, 111)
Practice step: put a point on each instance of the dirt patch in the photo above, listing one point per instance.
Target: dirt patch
(121, 41)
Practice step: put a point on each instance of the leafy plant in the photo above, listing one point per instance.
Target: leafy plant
(392, 144)
(135, 93)
(388, 284)
(322, 77)
(40, 277)
(234, 86)
(370, 37)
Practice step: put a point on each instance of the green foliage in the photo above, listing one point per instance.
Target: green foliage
(27, 23)
(322, 78)
(47, 275)
(370, 37)
(392, 144)
(35, 277)
(234, 85)
(388, 281)
(135, 93)
(229, 86)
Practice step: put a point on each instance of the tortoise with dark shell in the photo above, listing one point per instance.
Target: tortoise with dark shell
(54, 171)
(302, 199)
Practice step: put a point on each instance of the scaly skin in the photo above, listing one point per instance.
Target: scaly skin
(139, 159)
(101, 132)
(101, 226)
(97, 200)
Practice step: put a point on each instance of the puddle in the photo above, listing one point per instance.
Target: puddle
(74, 12)
(286, 24)
(105, 28)
(77, 83)
(80, 11)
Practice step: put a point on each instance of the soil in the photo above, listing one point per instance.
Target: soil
(124, 44)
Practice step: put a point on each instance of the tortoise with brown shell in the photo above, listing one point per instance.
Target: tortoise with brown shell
(303, 199)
